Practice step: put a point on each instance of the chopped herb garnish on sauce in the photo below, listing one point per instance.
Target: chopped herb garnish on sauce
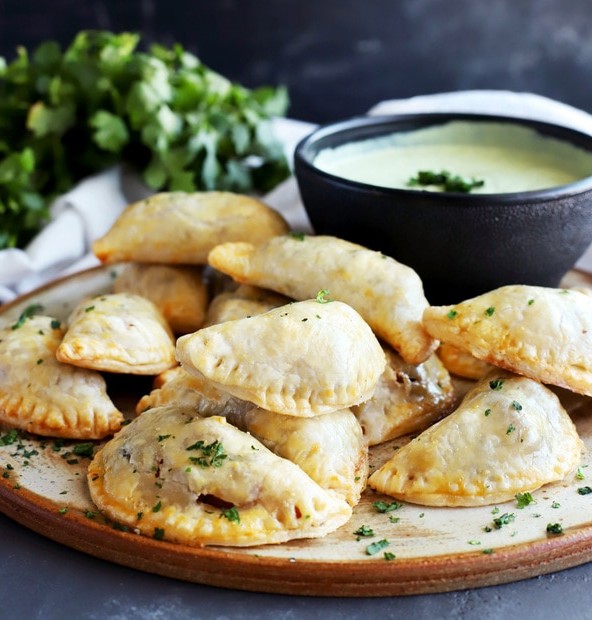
(510, 429)
(84, 449)
(452, 314)
(487, 412)
(516, 405)
(388, 556)
(297, 235)
(585, 490)
(490, 311)
(158, 533)
(444, 180)
(496, 384)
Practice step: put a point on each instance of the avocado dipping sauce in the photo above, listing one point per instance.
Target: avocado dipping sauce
(505, 156)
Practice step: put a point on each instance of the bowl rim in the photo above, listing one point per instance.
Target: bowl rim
(557, 131)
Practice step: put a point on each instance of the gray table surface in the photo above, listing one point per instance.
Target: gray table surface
(42, 579)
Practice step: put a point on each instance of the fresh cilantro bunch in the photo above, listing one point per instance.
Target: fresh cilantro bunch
(67, 114)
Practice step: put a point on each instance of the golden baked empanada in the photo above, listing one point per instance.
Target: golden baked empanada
(386, 293)
(40, 395)
(118, 332)
(407, 398)
(179, 227)
(461, 363)
(542, 333)
(510, 435)
(243, 302)
(178, 291)
(201, 481)
(330, 448)
(303, 359)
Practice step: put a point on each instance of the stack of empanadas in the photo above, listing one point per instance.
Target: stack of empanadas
(278, 359)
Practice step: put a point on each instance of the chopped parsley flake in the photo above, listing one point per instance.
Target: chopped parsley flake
(27, 313)
(377, 546)
(386, 507)
(89, 308)
(157, 506)
(89, 514)
(474, 542)
(554, 528)
(490, 311)
(158, 533)
(530, 302)
(452, 314)
(231, 514)
(487, 551)
(394, 519)
(10, 437)
(580, 474)
(55, 324)
(506, 518)
(322, 296)
(510, 429)
(163, 437)
(84, 449)
(496, 384)
(487, 412)
(212, 455)
(555, 505)
(516, 405)
(524, 499)
(300, 236)
(364, 531)
(388, 556)
(585, 490)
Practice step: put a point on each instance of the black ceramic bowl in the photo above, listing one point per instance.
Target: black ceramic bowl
(461, 244)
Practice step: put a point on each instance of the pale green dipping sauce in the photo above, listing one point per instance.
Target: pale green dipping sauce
(509, 158)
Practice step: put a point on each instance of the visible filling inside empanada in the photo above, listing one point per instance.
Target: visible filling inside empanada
(303, 359)
(40, 395)
(118, 332)
(200, 481)
(510, 435)
(407, 398)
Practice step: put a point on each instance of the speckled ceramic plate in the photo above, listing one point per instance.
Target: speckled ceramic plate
(43, 486)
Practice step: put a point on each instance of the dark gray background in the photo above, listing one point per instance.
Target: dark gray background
(339, 57)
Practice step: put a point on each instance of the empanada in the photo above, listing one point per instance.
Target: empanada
(200, 481)
(510, 435)
(179, 227)
(40, 395)
(386, 293)
(243, 302)
(118, 332)
(408, 398)
(178, 291)
(303, 359)
(330, 448)
(542, 333)
(461, 363)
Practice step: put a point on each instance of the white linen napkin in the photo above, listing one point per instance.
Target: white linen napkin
(87, 211)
